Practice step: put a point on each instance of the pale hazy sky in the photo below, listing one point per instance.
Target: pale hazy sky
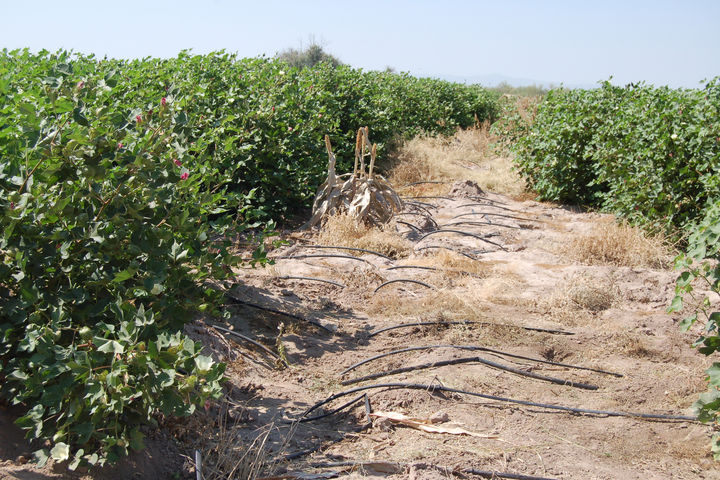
(663, 42)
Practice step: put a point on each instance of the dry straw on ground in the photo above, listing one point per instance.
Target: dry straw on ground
(468, 155)
(347, 231)
(579, 297)
(619, 244)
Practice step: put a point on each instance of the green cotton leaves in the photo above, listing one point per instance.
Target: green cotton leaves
(650, 154)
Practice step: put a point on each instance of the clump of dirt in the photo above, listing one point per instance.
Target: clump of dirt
(465, 189)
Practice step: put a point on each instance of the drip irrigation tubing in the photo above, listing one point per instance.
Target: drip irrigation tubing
(476, 348)
(492, 474)
(479, 237)
(496, 215)
(441, 388)
(419, 207)
(471, 257)
(458, 361)
(253, 342)
(332, 412)
(424, 215)
(413, 227)
(434, 269)
(347, 248)
(488, 205)
(303, 453)
(279, 312)
(312, 279)
(438, 197)
(422, 183)
(407, 280)
(421, 204)
(470, 322)
(482, 224)
(322, 255)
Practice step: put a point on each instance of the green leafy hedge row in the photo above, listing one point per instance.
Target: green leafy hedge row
(120, 180)
(651, 155)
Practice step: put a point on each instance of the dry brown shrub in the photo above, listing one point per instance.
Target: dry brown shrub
(344, 230)
(467, 155)
(612, 243)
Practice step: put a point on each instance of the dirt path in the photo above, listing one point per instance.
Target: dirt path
(517, 274)
(512, 272)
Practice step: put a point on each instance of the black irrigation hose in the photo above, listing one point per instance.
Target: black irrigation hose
(476, 348)
(470, 322)
(458, 361)
(413, 227)
(431, 196)
(496, 215)
(421, 183)
(347, 248)
(436, 270)
(403, 280)
(322, 255)
(450, 249)
(419, 207)
(312, 279)
(332, 412)
(445, 470)
(250, 340)
(303, 453)
(487, 205)
(494, 474)
(278, 312)
(424, 215)
(433, 388)
(482, 224)
(479, 237)
(421, 204)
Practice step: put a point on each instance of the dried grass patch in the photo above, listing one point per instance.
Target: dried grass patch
(346, 231)
(619, 244)
(581, 296)
(467, 155)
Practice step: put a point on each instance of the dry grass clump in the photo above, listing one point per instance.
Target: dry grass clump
(466, 155)
(581, 296)
(612, 243)
(347, 231)
(452, 264)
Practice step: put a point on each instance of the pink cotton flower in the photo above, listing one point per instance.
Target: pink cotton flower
(120, 145)
(163, 101)
(177, 162)
(138, 118)
(80, 85)
(184, 176)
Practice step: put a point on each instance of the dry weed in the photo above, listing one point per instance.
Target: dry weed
(574, 302)
(226, 455)
(612, 243)
(466, 155)
(344, 230)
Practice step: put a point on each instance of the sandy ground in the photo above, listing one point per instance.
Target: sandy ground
(508, 271)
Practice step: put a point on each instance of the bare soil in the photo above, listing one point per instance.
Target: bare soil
(513, 272)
